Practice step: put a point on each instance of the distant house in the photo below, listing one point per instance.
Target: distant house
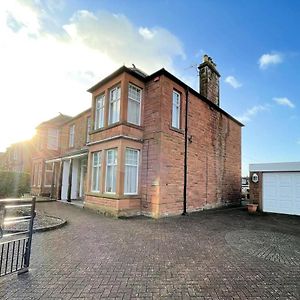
(17, 157)
(2, 161)
(149, 145)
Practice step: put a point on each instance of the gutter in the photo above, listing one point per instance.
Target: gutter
(66, 157)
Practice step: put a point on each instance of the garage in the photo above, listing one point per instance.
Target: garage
(275, 187)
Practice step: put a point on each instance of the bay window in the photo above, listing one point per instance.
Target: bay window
(96, 171)
(111, 171)
(134, 104)
(114, 105)
(99, 112)
(131, 171)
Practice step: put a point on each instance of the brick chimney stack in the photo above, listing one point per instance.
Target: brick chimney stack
(209, 80)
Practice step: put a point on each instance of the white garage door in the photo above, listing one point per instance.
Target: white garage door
(281, 193)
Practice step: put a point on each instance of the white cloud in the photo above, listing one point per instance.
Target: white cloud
(231, 80)
(45, 72)
(269, 59)
(149, 49)
(284, 101)
(146, 33)
(251, 112)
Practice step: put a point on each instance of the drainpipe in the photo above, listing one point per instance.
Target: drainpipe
(185, 150)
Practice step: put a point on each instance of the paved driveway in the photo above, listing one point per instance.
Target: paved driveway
(211, 255)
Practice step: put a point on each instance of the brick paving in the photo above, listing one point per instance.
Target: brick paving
(193, 257)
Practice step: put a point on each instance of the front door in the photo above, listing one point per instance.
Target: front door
(83, 172)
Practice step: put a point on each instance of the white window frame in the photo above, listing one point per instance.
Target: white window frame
(88, 129)
(139, 101)
(72, 136)
(99, 111)
(137, 172)
(98, 167)
(176, 109)
(115, 150)
(52, 139)
(111, 103)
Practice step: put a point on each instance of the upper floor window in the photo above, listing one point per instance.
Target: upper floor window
(114, 105)
(52, 142)
(134, 104)
(99, 112)
(96, 171)
(88, 129)
(71, 136)
(176, 110)
(15, 154)
(131, 171)
(111, 171)
(39, 142)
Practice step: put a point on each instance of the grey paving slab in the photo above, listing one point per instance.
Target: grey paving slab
(209, 255)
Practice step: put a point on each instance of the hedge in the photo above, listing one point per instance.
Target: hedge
(14, 184)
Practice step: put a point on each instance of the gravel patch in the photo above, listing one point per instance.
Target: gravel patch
(41, 222)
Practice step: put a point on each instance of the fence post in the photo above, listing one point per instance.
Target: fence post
(28, 244)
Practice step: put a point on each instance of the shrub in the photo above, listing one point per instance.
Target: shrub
(14, 184)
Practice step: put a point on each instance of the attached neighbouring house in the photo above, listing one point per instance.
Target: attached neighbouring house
(46, 144)
(156, 144)
(275, 187)
(70, 166)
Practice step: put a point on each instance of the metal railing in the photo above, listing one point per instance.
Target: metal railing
(15, 246)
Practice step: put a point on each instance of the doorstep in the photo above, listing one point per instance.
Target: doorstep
(76, 202)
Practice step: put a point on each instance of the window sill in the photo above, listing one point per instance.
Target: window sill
(115, 125)
(112, 196)
(177, 130)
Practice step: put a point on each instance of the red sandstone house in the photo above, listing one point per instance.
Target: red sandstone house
(46, 145)
(151, 145)
(60, 162)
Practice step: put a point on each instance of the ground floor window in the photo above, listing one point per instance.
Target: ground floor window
(131, 171)
(39, 174)
(35, 175)
(48, 174)
(96, 171)
(111, 171)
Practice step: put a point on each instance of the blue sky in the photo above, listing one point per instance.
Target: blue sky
(73, 44)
